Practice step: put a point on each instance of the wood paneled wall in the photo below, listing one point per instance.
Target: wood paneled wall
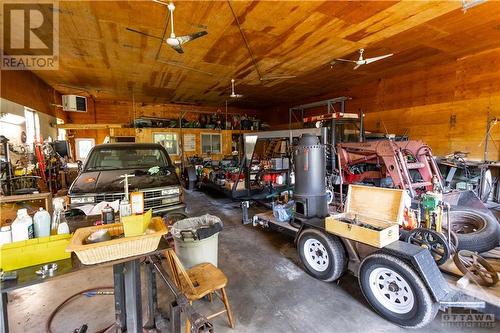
(25, 88)
(446, 106)
(124, 112)
(145, 135)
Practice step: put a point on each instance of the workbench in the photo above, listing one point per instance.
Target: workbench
(127, 291)
(34, 201)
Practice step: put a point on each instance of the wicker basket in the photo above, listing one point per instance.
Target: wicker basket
(115, 249)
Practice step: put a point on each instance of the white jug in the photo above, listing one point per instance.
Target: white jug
(42, 223)
(22, 227)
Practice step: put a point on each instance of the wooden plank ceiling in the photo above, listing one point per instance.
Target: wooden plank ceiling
(99, 55)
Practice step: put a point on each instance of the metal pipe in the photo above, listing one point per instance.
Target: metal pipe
(332, 143)
(341, 183)
(361, 126)
(322, 103)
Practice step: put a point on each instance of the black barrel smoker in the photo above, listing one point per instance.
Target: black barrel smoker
(310, 171)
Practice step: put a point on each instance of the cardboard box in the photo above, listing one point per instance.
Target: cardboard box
(240, 187)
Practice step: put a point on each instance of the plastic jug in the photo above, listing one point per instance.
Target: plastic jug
(22, 227)
(5, 235)
(42, 223)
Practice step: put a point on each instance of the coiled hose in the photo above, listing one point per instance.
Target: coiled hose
(89, 293)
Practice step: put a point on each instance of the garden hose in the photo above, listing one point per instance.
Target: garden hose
(89, 293)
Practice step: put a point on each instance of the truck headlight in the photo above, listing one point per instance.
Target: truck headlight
(82, 200)
(170, 191)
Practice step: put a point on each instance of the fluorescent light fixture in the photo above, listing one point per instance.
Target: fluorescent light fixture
(10, 118)
(468, 4)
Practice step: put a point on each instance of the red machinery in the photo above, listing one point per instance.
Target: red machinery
(409, 164)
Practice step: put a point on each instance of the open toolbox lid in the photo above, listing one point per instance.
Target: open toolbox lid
(381, 203)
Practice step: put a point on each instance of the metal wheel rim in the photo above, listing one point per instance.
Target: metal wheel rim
(391, 290)
(466, 222)
(316, 255)
(432, 241)
(476, 267)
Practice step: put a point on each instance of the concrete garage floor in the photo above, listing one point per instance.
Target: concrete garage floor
(268, 289)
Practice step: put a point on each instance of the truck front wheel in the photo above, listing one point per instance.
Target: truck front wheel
(396, 291)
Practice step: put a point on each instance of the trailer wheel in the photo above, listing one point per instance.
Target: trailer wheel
(396, 291)
(322, 255)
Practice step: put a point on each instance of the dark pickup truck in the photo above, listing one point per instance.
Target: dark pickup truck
(154, 175)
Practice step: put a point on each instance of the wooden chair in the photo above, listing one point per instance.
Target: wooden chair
(200, 281)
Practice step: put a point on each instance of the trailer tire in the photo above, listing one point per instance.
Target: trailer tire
(323, 255)
(476, 231)
(396, 291)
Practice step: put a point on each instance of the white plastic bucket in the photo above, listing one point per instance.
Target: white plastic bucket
(196, 240)
(193, 252)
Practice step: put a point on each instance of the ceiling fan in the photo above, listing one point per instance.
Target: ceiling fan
(361, 60)
(233, 94)
(173, 41)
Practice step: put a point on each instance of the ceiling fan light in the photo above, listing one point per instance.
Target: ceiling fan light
(173, 41)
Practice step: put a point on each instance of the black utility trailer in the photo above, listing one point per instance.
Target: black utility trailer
(401, 281)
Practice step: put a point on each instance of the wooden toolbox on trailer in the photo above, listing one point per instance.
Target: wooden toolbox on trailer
(372, 215)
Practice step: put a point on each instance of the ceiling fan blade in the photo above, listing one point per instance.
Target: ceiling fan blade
(187, 38)
(143, 33)
(178, 48)
(357, 66)
(161, 2)
(370, 60)
(346, 60)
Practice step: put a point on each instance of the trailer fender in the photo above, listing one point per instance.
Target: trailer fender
(421, 260)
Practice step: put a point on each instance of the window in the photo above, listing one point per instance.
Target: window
(61, 132)
(211, 143)
(167, 140)
(116, 158)
(29, 116)
(83, 147)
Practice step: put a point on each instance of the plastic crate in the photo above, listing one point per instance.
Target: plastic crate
(34, 252)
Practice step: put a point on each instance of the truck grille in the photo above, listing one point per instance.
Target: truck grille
(152, 198)
(152, 194)
(109, 197)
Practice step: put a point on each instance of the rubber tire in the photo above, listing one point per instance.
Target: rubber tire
(336, 253)
(424, 309)
(481, 241)
(175, 216)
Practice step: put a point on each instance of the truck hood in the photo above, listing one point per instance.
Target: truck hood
(109, 181)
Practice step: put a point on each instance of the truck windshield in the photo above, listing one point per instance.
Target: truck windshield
(126, 158)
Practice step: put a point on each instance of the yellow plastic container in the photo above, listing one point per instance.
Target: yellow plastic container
(34, 252)
(136, 225)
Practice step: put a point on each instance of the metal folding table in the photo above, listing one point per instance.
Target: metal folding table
(127, 292)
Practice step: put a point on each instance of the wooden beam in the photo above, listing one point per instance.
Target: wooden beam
(89, 126)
